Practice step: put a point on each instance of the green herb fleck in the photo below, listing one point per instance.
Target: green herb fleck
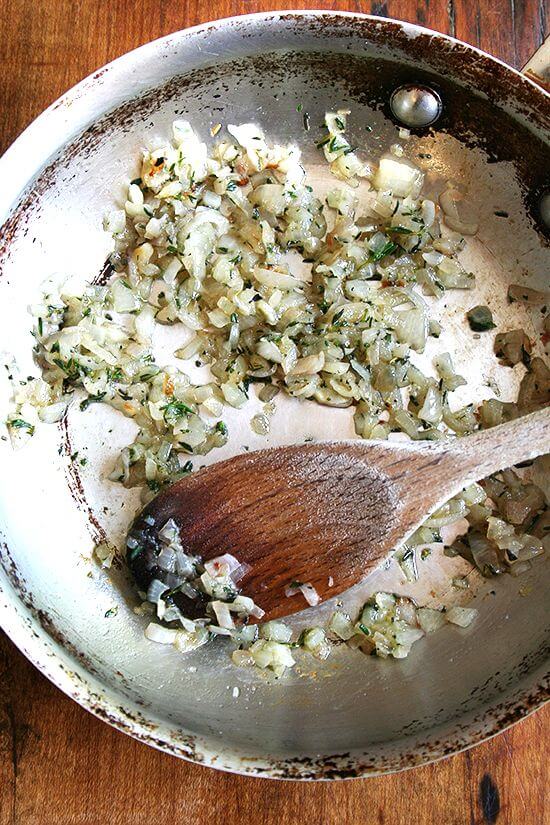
(92, 399)
(20, 424)
(114, 374)
(334, 146)
(401, 230)
(380, 253)
(134, 552)
(175, 409)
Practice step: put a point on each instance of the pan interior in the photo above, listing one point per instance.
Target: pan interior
(52, 511)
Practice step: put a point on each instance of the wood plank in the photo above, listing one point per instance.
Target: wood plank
(56, 758)
(47, 45)
(58, 764)
(508, 29)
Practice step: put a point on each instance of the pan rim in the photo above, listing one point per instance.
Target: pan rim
(67, 99)
(34, 641)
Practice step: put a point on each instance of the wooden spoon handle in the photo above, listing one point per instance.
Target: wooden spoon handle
(478, 456)
(425, 477)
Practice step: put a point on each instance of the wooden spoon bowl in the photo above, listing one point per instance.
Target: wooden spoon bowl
(326, 513)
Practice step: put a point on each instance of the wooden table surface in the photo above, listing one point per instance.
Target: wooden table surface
(60, 765)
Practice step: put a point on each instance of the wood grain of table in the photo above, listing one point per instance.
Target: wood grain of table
(58, 764)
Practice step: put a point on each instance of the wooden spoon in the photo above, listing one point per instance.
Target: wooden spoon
(324, 513)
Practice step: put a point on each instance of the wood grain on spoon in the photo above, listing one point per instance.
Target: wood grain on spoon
(330, 512)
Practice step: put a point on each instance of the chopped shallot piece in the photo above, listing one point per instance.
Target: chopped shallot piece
(308, 591)
(222, 566)
(310, 594)
(240, 571)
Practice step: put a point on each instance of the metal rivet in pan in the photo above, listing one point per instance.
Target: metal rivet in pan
(544, 208)
(416, 106)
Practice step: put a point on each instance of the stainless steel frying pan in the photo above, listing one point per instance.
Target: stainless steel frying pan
(353, 715)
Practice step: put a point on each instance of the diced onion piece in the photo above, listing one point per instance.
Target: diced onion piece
(124, 299)
(400, 177)
(220, 631)
(513, 347)
(429, 619)
(223, 614)
(222, 565)
(272, 655)
(155, 590)
(314, 640)
(240, 572)
(449, 200)
(169, 532)
(276, 631)
(166, 560)
(53, 412)
(341, 625)
(308, 365)
(257, 612)
(432, 408)
(187, 640)
(526, 295)
(310, 594)
(105, 552)
(461, 616)
(161, 634)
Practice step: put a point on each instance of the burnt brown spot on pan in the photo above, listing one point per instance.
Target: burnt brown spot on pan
(472, 111)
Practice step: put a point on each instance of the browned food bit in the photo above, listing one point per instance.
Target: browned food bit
(513, 347)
